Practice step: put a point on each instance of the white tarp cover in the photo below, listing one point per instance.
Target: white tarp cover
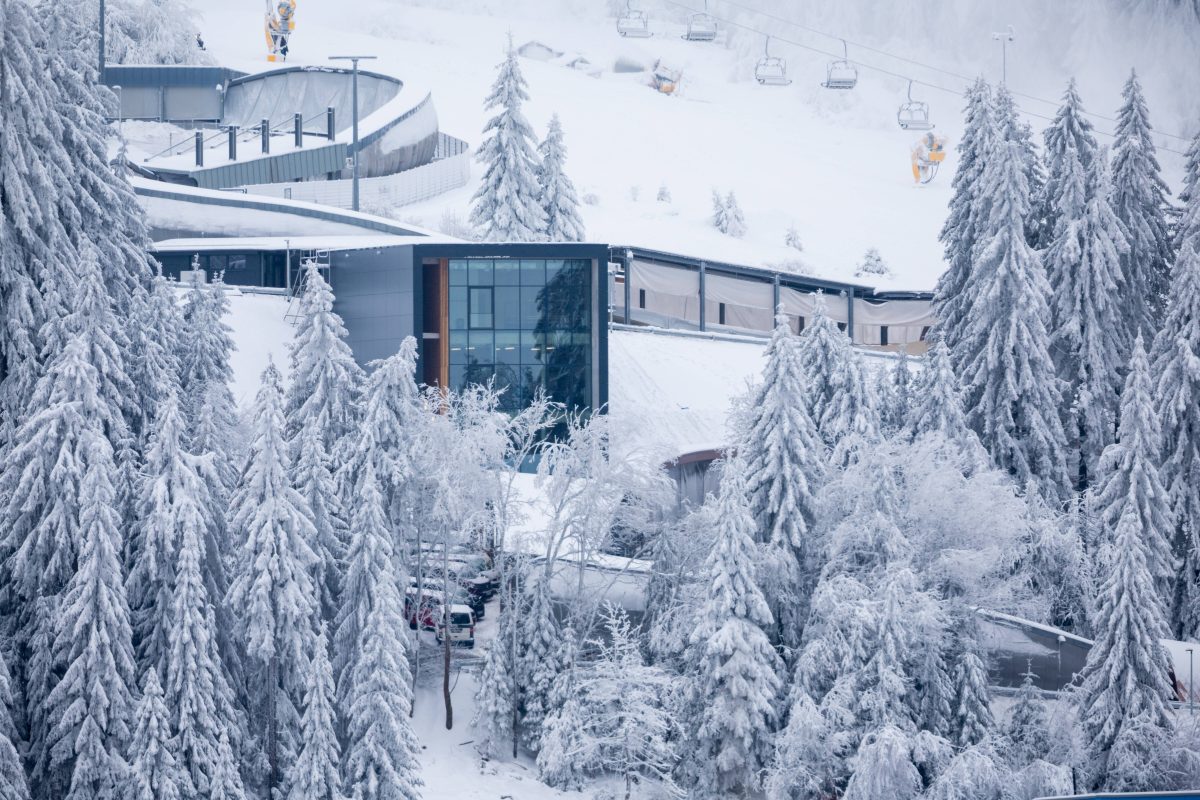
(277, 96)
(672, 294)
(748, 303)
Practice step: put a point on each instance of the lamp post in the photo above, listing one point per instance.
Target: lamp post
(1004, 37)
(354, 116)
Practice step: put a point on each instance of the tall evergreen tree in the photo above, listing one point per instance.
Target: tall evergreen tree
(1009, 384)
(1189, 197)
(155, 772)
(736, 681)
(541, 660)
(13, 785)
(1011, 128)
(972, 711)
(785, 465)
(314, 775)
(381, 750)
(1070, 132)
(559, 201)
(963, 228)
(938, 408)
(1140, 202)
(1028, 731)
(275, 590)
(1130, 481)
(1089, 336)
(1176, 365)
(92, 705)
(506, 207)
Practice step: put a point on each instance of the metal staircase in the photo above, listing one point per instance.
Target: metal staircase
(298, 281)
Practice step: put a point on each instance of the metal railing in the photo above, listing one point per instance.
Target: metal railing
(250, 133)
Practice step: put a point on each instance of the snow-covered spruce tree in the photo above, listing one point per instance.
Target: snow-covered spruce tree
(566, 760)
(13, 785)
(506, 207)
(894, 395)
(92, 705)
(153, 355)
(34, 246)
(1069, 132)
(872, 264)
(314, 775)
(1189, 197)
(736, 674)
(155, 772)
(1011, 128)
(801, 748)
(735, 221)
(973, 719)
(938, 410)
(1027, 733)
(1089, 336)
(1140, 201)
(274, 591)
(975, 772)
(1130, 481)
(934, 690)
(205, 376)
(838, 394)
(720, 215)
(968, 212)
(785, 465)
(313, 477)
(381, 750)
(885, 684)
(1176, 355)
(884, 767)
(559, 201)
(792, 239)
(497, 701)
(541, 659)
(367, 562)
(1003, 358)
(197, 689)
(226, 783)
(1124, 691)
(164, 33)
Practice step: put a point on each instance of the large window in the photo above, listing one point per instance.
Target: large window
(524, 323)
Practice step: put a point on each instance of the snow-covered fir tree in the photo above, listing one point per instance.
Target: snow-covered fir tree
(1140, 201)
(884, 767)
(736, 674)
(559, 201)
(838, 394)
(381, 749)
(720, 213)
(196, 688)
(885, 684)
(1027, 732)
(155, 772)
(973, 718)
(314, 775)
(792, 239)
(565, 761)
(801, 750)
(1189, 197)
(164, 32)
(153, 354)
(963, 228)
(1011, 128)
(13, 785)
(1089, 335)
(872, 264)
(735, 220)
(274, 591)
(785, 465)
(1130, 481)
(496, 696)
(506, 207)
(92, 705)
(1176, 355)
(1003, 358)
(664, 194)
(226, 783)
(541, 659)
(894, 394)
(1069, 133)
(938, 410)
(1124, 691)
(975, 772)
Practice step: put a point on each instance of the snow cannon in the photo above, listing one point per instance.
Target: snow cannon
(927, 155)
(665, 79)
(280, 22)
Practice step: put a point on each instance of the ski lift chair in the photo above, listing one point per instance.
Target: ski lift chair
(701, 27)
(913, 115)
(633, 23)
(841, 74)
(771, 70)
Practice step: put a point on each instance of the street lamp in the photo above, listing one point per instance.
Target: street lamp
(354, 115)
(1004, 37)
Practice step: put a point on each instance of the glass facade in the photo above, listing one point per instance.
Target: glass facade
(526, 323)
(240, 269)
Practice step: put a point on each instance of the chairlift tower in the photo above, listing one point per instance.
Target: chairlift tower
(1004, 37)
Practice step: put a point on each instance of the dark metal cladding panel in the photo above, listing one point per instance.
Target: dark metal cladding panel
(376, 293)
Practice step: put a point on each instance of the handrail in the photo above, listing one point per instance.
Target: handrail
(251, 133)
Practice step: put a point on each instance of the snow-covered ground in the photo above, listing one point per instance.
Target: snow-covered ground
(834, 164)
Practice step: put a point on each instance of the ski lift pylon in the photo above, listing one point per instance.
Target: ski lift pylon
(841, 73)
(913, 115)
(771, 70)
(633, 23)
(701, 26)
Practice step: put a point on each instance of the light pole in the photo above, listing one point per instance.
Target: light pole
(101, 41)
(1004, 37)
(354, 115)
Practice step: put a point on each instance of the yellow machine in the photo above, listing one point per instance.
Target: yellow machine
(280, 22)
(927, 155)
(665, 79)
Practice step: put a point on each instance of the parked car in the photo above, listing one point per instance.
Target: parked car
(462, 626)
(458, 594)
(424, 614)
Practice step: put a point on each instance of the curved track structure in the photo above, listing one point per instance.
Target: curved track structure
(283, 125)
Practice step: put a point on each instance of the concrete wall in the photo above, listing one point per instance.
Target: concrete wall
(377, 296)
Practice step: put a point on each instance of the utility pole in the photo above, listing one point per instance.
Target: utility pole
(1004, 37)
(354, 115)
(101, 79)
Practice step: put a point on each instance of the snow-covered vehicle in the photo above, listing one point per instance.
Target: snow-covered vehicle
(462, 626)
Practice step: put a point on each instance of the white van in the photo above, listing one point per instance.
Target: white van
(462, 626)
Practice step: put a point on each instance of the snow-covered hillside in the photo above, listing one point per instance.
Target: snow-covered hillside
(834, 164)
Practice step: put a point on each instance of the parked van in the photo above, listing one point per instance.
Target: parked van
(462, 626)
